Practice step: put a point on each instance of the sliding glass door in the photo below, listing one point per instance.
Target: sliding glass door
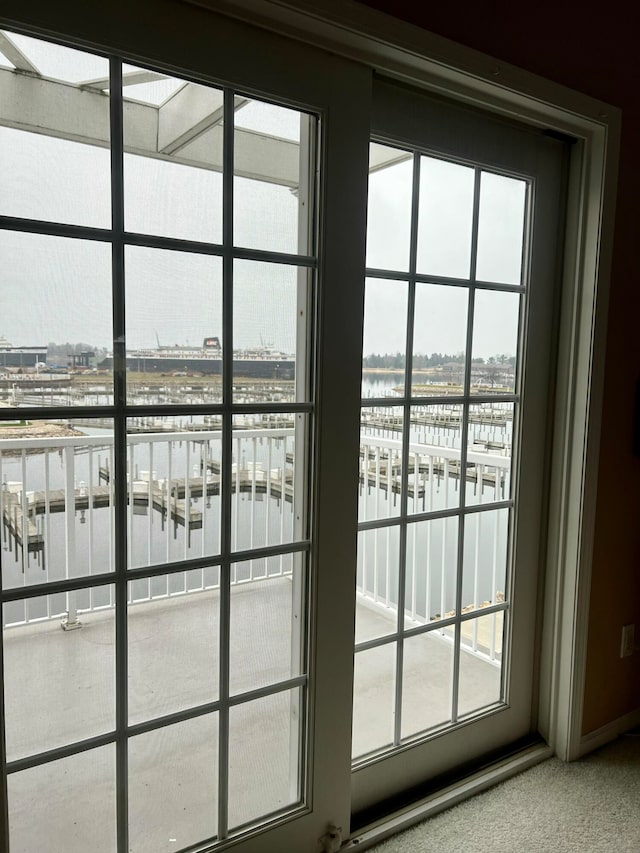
(202, 494)
(168, 568)
(457, 350)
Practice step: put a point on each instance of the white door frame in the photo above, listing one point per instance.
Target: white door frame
(423, 59)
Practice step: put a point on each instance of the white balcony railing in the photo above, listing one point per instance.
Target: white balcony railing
(58, 512)
(58, 518)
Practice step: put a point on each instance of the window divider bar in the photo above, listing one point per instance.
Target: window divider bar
(120, 448)
(20, 593)
(464, 430)
(268, 690)
(151, 241)
(227, 451)
(453, 512)
(196, 711)
(294, 260)
(49, 413)
(214, 409)
(453, 399)
(54, 229)
(302, 545)
(406, 440)
(178, 244)
(430, 627)
(60, 752)
(429, 278)
(106, 579)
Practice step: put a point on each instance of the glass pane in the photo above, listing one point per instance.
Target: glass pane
(265, 756)
(501, 229)
(431, 571)
(486, 536)
(377, 583)
(268, 621)
(489, 453)
(269, 474)
(380, 463)
(173, 786)
(270, 305)
(59, 686)
(173, 643)
(445, 218)
(273, 196)
(434, 458)
(427, 682)
(68, 804)
(389, 208)
(495, 342)
(60, 173)
(174, 327)
(439, 340)
(373, 699)
(61, 63)
(382, 382)
(480, 663)
(55, 302)
(385, 338)
(485, 635)
(173, 484)
(173, 156)
(56, 501)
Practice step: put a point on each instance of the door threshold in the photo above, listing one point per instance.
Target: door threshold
(444, 797)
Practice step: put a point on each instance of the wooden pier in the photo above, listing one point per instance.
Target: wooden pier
(20, 527)
(444, 419)
(385, 476)
(172, 503)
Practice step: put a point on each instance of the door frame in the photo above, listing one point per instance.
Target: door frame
(428, 61)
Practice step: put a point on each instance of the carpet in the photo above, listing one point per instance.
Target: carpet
(589, 806)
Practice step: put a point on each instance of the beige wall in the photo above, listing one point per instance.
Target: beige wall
(596, 54)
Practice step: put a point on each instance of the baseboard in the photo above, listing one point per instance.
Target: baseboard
(607, 733)
(448, 797)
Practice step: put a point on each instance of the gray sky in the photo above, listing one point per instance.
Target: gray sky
(444, 248)
(57, 289)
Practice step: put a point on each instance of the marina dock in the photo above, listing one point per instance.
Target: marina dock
(173, 503)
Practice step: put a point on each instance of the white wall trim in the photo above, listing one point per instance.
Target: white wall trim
(448, 797)
(605, 734)
(421, 57)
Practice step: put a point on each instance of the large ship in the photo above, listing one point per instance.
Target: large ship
(262, 362)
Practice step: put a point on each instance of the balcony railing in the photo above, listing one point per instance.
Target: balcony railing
(58, 517)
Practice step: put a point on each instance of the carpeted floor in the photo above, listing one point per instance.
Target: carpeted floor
(589, 806)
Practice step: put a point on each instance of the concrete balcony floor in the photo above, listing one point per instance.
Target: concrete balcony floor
(60, 688)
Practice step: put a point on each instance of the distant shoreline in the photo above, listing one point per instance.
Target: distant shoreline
(399, 371)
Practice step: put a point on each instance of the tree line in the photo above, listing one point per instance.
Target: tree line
(396, 360)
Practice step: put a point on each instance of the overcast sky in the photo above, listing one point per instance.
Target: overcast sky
(57, 289)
